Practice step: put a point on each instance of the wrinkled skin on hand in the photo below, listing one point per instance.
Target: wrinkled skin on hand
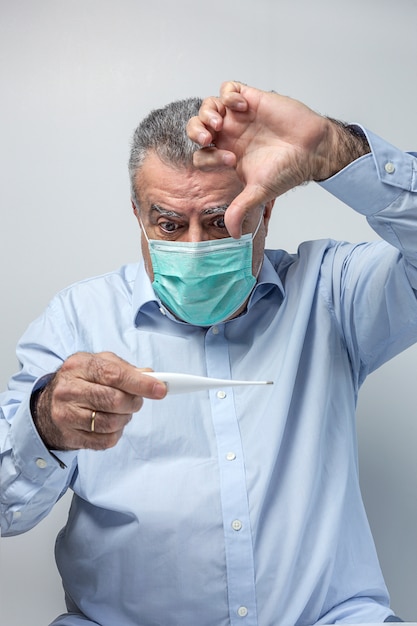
(85, 383)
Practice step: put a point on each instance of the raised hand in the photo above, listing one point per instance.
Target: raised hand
(275, 143)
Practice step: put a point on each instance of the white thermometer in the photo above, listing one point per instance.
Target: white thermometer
(186, 383)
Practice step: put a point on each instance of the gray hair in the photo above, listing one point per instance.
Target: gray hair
(163, 131)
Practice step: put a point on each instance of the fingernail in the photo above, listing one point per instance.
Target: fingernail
(214, 122)
(228, 159)
(201, 139)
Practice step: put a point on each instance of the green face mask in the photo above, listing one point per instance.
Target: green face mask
(203, 282)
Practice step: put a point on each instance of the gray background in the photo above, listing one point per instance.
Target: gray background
(76, 77)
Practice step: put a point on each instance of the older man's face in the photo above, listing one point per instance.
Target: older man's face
(189, 205)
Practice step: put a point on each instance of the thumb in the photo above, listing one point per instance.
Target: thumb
(249, 199)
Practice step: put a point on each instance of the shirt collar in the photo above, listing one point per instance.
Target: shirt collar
(143, 293)
(268, 276)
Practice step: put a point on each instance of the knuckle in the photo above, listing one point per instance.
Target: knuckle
(107, 371)
(137, 403)
(106, 399)
(74, 362)
(113, 439)
(110, 423)
(110, 356)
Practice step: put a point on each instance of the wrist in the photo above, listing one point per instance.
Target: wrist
(34, 402)
(41, 414)
(347, 144)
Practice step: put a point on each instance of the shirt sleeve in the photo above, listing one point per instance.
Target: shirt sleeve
(374, 285)
(31, 478)
(382, 186)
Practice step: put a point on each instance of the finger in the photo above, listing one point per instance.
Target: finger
(232, 97)
(94, 430)
(72, 394)
(103, 423)
(209, 159)
(108, 370)
(93, 441)
(133, 382)
(198, 132)
(212, 112)
(203, 128)
(84, 428)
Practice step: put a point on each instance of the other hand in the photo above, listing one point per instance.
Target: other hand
(90, 400)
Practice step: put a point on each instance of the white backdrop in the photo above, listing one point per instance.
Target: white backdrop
(76, 77)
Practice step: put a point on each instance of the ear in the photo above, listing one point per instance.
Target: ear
(267, 214)
(135, 211)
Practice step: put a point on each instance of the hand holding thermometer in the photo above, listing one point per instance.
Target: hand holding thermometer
(186, 383)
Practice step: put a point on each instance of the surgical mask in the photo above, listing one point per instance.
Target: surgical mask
(203, 282)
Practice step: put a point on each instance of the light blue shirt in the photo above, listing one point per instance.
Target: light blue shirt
(239, 506)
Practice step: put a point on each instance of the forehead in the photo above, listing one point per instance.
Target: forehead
(184, 190)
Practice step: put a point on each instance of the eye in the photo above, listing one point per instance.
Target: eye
(219, 222)
(168, 226)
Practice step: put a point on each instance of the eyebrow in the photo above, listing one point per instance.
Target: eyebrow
(219, 210)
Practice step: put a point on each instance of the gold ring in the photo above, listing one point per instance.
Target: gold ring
(93, 417)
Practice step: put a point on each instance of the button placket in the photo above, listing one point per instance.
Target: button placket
(234, 497)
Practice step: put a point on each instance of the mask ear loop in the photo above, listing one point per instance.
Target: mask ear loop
(143, 229)
(253, 237)
(259, 223)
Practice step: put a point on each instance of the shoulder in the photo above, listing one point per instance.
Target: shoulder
(329, 260)
(308, 253)
(120, 281)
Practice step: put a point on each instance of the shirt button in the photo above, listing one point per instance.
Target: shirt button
(221, 395)
(230, 456)
(242, 611)
(215, 330)
(17, 514)
(41, 463)
(389, 168)
(236, 524)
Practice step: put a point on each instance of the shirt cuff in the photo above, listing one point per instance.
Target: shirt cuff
(31, 455)
(375, 180)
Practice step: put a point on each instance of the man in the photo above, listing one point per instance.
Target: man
(234, 506)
